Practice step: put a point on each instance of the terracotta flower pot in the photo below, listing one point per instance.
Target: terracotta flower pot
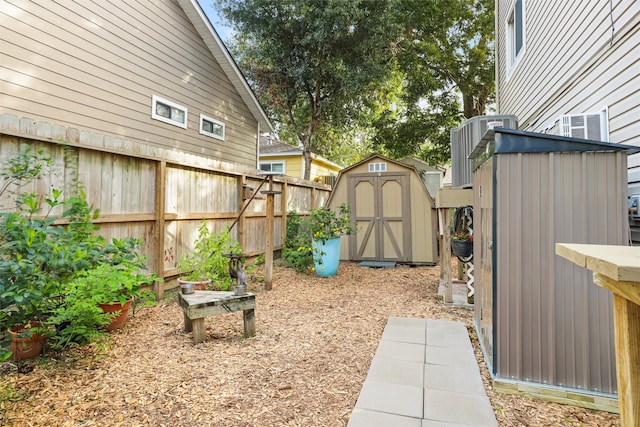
(199, 285)
(25, 347)
(116, 307)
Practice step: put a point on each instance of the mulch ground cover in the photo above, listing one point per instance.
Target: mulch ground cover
(305, 367)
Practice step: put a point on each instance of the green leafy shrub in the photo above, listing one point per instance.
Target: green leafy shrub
(45, 241)
(297, 249)
(322, 224)
(207, 260)
(327, 224)
(78, 318)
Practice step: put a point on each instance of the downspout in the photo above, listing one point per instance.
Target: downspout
(496, 63)
(258, 147)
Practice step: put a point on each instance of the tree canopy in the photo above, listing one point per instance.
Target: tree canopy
(309, 60)
(343, 77)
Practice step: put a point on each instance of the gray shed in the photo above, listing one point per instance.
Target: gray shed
(392, 209)
(540, 319)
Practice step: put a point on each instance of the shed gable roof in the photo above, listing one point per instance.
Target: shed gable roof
(378, 157)
(210, 37)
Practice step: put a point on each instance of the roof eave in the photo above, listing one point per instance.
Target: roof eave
(209, 35)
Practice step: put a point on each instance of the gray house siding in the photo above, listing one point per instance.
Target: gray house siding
(579, 57)
(96, 65)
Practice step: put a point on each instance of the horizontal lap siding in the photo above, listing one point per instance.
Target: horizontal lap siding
(571, 66)
(95, 66)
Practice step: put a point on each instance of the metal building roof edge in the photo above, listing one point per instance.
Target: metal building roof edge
(511, 141)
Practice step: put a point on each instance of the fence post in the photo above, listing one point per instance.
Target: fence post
(241, 222)
(160, 198)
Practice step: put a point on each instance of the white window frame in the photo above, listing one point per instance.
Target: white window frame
(512, 29)
(567, 128)
(274, 162)
(155, 100)
(215, 122)
(378, 167)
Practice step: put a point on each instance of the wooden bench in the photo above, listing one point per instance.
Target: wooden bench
(200, 304)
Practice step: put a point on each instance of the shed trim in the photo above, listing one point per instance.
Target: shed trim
(518, 141)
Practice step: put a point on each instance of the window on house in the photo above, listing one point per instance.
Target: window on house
(272, 166)
(168, 112)
(593, 126)
(377, 167)
(211, 127)
(515, 33)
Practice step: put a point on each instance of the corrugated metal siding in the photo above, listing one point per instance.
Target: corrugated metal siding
(483, 243)
(95, 65)
(554, 326)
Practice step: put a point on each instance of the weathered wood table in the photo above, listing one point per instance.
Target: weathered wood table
(617, 268)
(200, 304)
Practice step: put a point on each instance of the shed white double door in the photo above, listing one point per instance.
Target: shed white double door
(381, 208)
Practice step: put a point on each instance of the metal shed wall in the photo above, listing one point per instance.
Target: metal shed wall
(422, 219)
(540, 318)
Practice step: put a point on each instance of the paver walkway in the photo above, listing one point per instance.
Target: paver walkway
(424, 374)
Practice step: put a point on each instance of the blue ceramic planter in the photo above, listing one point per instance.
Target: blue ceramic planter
(329, 254)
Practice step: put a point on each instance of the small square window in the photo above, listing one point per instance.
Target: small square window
(168, 112)
(211, 127)
(272, 167)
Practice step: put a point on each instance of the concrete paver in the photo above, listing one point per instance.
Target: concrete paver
(424, 374)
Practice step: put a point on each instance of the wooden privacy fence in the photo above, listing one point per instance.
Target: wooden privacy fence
(163, 202)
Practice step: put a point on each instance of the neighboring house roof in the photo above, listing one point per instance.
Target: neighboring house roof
(280, 148)
(210, 37)
(274, 148)
(421, 164)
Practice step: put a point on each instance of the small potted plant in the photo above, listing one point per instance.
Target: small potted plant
(327, 226)
(206, 266)
(462, 244)
(111, 287)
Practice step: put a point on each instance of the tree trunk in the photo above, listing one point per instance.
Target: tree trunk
(306, 154)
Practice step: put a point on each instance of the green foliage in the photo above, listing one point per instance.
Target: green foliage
(207, 260)
(78, 318)
(259, 260)
(444, 57)
(37, 255)
(297, 249)
(464, 236)
(47, 241)
(23, 168)
(7, 394)
(346, 77)
(322, 224)
(309, 61)
(326, 224)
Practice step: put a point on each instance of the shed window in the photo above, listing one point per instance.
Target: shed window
(377, 167)
(272, 166)
(168, 112)
(211, 127)
(515, 33)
